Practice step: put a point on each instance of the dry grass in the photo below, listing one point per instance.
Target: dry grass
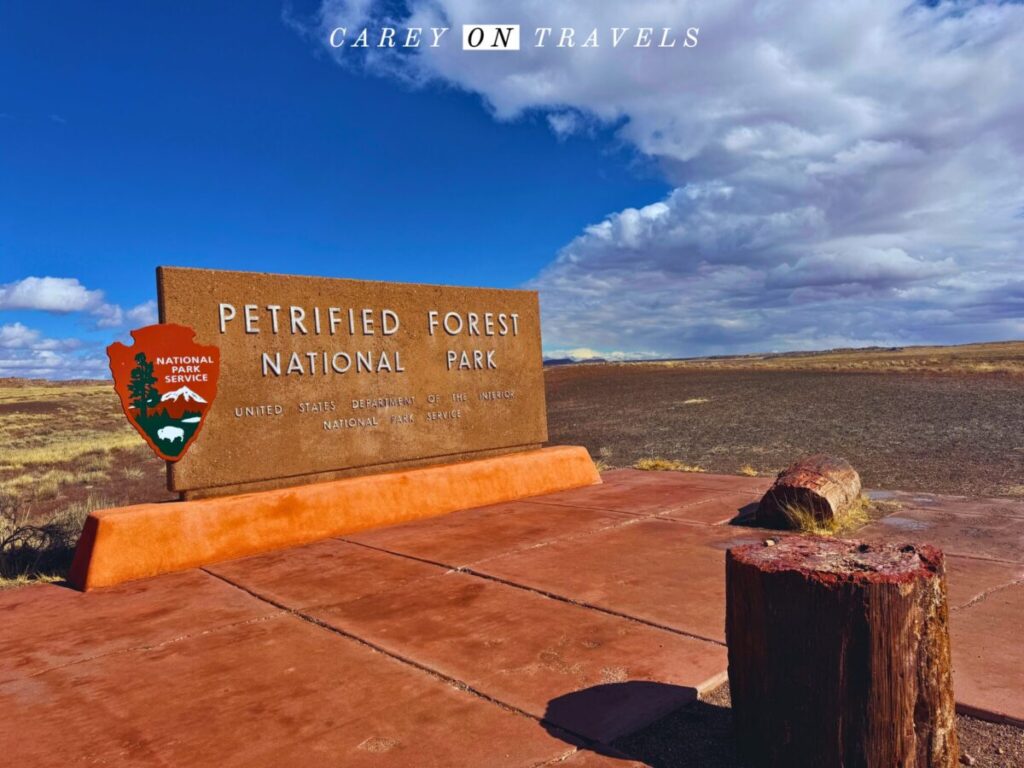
(44, 483)
(696, 400)
(860, 514)
(132, 473)
(40, 482)
(32, 550)
(997, 357)
(748, 471)
(55, 435)
(50, 424)
(65, 449)
(47, 486)
(603, 462)
(82, 443)
(98, 461)
(656, 464)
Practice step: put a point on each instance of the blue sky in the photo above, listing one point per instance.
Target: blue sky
(771, 189)
(138, 134)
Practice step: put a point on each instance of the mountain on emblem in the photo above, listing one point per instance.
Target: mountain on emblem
(184, 392)
(167, 384)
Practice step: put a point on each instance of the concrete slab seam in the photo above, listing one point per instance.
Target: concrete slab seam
(590, 606)
(637, 515)
(558, 759)
(605, 750)
(415, 558)
(691, 523)
(437, 675)
(983, 558)
(469, 571)
(980, 597)
(627, 520)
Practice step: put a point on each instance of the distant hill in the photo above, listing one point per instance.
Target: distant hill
(986, 357)
(981, 357)
(549, 361)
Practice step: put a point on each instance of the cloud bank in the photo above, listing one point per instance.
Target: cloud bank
(26, 352)
(845, 172)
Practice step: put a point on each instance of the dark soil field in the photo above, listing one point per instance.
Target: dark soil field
(945, 420)
(957, 433)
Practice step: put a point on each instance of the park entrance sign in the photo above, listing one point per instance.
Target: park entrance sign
(340, 405)
(322, 378)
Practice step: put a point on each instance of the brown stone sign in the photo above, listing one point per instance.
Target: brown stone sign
(323, 377)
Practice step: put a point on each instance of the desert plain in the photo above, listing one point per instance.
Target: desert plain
(944, 420)
(937, 419)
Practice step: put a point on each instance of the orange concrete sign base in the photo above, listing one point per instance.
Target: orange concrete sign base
(134, 542)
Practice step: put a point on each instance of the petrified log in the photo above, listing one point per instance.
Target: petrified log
(824, 486)
(839, 654)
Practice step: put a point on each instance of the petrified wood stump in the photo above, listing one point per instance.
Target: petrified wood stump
(839, 655)
(824, 486)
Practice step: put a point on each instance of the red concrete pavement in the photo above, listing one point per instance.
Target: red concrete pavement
(984, 544)
(523, 634)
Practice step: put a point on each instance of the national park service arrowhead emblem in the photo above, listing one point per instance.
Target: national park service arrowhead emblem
(167, 384)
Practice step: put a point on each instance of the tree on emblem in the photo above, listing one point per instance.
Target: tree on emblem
(141, 388)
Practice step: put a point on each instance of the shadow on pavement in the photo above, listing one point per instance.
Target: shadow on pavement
(745, 516)
(699, 734)
(615, 720)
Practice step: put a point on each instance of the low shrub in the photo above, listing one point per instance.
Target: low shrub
(666, 465)
(34, 549)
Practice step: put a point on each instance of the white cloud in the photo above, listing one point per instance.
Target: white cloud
(845, 171)
(50, 294)
(66, 295)
(565, 124)
(143, 314)
(863, 266)
(26, 353)
(17, 336)
(109, 316)
(51, 364)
